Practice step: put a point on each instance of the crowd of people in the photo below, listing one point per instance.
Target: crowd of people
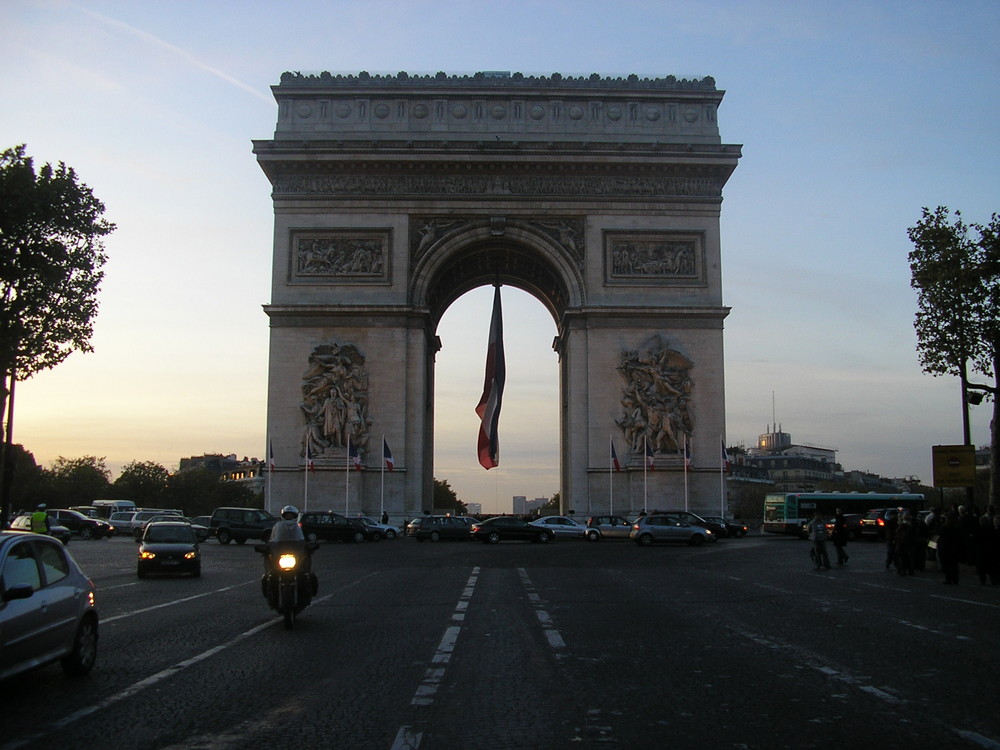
(952, 538)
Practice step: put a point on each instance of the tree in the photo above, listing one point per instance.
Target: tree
(78, 481)
(143, 482)
(51, 256)
(445, 498)
(956, 270)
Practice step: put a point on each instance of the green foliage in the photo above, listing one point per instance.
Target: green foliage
(445, 498)
(77, 481)
(142, 482)
(956, 276)
(51, 257)
(29, 487)
(551, 508)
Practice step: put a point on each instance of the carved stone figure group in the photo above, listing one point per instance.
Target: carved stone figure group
(656, 400)
(335, 399)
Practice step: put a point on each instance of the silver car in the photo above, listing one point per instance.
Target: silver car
(609, 527)
(667, 527)
(562, 527)
(47, 607)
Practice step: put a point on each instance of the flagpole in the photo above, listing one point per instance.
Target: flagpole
(381, 503)
(270, 471)
(686, 472)
(305, 480)
(645, 467)
(722, 478)
(347, 476)
(611, 477)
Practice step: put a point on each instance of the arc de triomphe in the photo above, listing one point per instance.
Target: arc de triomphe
(395, 195)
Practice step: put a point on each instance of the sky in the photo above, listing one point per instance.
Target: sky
(852, 117)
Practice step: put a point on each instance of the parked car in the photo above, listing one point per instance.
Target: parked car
(122, 521)
(168, 547)
(502, 528)
(611, 527)
(436, 528)
(328, 526)
(725, 527)
(23, 523)
(387, 529)
(668, 527)
(562, 527)
(240, 524)
(48, 611)
(81, 525)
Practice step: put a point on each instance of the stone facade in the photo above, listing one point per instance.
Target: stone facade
(395, 195)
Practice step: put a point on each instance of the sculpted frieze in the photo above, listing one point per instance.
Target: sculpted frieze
(642, 257)
(335, 401)
(498, 185)
(656, 399)
(340, 255)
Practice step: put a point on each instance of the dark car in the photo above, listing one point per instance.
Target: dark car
(725, 527)
(607, 527)
(328, 526)
(201, 531)
(240, 524)
(169, 547)
(875, 521)
(48, 611)
(436, 528)
(502, 528)
(83, 526)
(23, 523)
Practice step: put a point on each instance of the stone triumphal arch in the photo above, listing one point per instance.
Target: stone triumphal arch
(394, 195)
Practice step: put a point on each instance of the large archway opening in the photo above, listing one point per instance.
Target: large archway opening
(529, 421)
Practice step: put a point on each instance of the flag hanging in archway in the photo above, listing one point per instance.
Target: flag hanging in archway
(489, 404)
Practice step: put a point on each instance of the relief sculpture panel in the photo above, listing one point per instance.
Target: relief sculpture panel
(663, 258)
(340, 256)
(656, 399)
(335, 401)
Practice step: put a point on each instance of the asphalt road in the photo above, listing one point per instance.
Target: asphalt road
(567, 645)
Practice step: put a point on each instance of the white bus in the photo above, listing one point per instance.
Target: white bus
(787, 512)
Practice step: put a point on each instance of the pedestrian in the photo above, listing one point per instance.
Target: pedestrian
(840, 537)
(818, 536)
(903, 546)
(984, 550)
(891, 522)
(40, 523)
(385, 517)
(950, 547)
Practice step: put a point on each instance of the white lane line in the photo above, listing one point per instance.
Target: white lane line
(552, 634)
(106, 620)
(428, 687)
(137, 687)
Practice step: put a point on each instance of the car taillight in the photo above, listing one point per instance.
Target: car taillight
(880, 522)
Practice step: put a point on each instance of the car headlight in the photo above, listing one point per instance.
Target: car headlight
(287, 561)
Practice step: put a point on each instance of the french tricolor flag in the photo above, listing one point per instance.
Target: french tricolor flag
(489, 404)
(386, 455)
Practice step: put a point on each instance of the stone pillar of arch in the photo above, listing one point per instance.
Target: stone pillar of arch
(395, 195)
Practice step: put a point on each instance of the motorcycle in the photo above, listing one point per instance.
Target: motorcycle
(288, 584)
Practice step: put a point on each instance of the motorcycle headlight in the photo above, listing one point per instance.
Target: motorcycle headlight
(287, 561)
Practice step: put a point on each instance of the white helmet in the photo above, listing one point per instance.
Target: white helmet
(289, 509)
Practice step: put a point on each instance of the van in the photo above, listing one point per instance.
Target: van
(106, 507)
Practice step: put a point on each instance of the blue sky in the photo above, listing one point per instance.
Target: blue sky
(852, 117)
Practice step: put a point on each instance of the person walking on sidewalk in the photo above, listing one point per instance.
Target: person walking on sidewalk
(818, 536)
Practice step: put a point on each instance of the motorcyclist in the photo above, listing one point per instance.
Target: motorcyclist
(286, 536)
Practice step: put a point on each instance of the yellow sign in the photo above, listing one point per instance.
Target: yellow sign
(954, 465)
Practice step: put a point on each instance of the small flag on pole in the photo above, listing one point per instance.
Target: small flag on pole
(489, 403)
(614, 458)
(352, 451)
(687, 454)
(725, 457)
(387, 455)
(270, 456)
(309, 462)
(649, 455)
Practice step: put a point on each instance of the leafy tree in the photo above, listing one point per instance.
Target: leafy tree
(192, 491)
(143, 482)
(956, 270)
(445, 498)
(51, 256)
(29, 489)
(78, 481)
(550, 508)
